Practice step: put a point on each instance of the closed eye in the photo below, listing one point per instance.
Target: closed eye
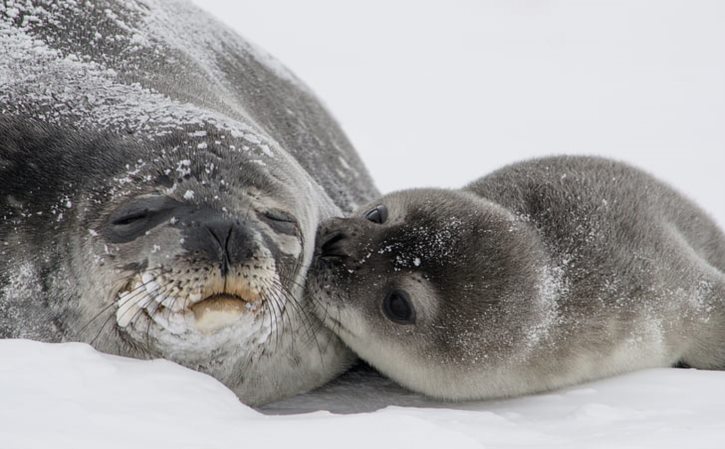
(280, 215)
(138, 216)
(280, 221)
(131, 217)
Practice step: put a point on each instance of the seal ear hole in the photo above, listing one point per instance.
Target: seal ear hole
(378, 215)
(398, 308)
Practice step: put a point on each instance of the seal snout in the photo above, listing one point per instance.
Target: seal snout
(332, 245)
(221, 239)
(334, 241)
(222, 273)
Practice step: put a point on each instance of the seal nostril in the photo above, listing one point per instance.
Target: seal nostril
(333, 238)
(330, 245)
(221, 246)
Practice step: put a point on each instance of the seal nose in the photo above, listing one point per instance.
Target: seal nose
(221, 239)
(333, 243)
(217, 246)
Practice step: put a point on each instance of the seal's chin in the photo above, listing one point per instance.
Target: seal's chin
(205, 308)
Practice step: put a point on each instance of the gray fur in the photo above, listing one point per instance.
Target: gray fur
(542, 274)
(115, 102)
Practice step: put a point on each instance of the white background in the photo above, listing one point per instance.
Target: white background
(440, 93)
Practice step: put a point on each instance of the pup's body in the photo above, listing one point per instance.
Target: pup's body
(543, 274)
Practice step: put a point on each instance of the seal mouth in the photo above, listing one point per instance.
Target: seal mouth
(219, 310)
(221, 301)
(206, 308)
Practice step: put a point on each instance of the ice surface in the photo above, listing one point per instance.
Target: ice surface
(68, 396)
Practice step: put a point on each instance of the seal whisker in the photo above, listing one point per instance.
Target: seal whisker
(275, 320)
(140, 296)
(324, 318)
(100, 330)
(118, 302)
(170, 307)
(313, 324)
(281, 297)
(147, 334)
(310, 327)
(281, 305)
(137, 299)
(275, 303)
(311, 331)
(110, 317)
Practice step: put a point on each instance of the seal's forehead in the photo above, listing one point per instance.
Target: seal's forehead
(435, 230)
(424, 226)
(438, 210)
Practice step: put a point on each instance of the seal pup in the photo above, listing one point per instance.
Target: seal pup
(543, 274)
(161, 184)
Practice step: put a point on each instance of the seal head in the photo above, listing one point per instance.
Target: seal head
(161, 183)
(402, 285)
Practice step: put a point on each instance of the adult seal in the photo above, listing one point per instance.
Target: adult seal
(161, 183)
(543, 274)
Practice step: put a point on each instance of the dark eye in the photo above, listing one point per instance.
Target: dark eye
(398, 308)
(280, 221)
(377, 215)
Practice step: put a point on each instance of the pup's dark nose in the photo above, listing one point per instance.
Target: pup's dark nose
(336, 240)
(331, 245)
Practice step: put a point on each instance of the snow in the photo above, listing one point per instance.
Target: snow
(464, 88)
(70, 396)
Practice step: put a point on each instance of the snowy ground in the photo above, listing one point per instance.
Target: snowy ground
(462, 88)
(70, 396)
